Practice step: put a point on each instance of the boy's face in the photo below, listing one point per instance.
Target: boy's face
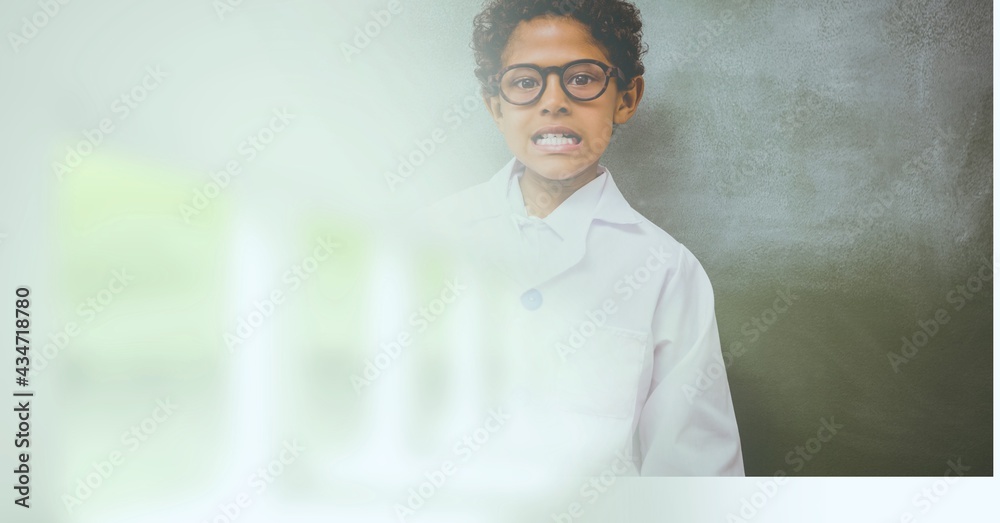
(555, 41)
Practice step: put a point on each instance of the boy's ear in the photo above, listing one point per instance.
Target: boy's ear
(493, 106)
(628, 100)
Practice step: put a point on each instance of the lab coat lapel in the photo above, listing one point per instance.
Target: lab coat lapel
(499, 235)
(567, 255)
(611, 208)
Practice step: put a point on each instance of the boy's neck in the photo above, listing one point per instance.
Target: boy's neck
(543, 195)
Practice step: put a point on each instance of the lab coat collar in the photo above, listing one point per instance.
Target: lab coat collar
(571, 219)
(611, 206)
(598, 200)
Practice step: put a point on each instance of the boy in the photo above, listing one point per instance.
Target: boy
(611, 319)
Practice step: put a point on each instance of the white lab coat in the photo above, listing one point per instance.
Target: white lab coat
(608, 332)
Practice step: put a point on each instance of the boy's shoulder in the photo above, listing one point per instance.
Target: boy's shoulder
(647, 236)
(640, 229)
(652, 236)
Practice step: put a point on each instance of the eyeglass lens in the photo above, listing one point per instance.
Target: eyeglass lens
(523, 85)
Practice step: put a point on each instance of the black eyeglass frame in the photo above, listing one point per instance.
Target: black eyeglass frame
(609, 72)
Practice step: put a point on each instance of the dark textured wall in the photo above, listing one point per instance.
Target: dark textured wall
(839, 153)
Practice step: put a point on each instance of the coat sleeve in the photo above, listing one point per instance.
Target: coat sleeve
(687, 426)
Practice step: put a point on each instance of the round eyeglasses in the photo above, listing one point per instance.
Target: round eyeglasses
(581, 80)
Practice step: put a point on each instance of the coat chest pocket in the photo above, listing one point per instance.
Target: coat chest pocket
(602, 377)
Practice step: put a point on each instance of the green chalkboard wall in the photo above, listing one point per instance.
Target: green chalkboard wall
(837, 154)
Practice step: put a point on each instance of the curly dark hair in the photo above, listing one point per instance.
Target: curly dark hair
(614, 24)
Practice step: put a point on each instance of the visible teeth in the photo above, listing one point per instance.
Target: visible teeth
(555, 139)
